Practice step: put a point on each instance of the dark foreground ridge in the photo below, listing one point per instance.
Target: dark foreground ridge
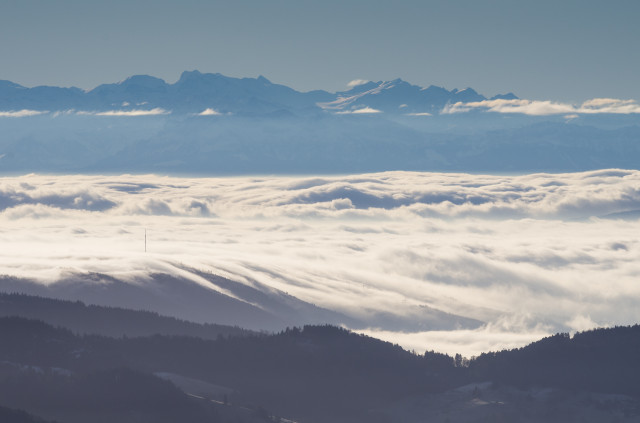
(312, 374)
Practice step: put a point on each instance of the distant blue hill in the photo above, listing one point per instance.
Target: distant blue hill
(278, 144)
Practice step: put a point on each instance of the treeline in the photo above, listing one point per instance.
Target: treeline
(599, 360)
(108, 321)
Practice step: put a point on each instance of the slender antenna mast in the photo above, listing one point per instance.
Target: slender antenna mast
(145, 240)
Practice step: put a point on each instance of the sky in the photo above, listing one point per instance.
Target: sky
(573, 50)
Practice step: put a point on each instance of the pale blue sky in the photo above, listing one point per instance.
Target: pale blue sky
(567, 50)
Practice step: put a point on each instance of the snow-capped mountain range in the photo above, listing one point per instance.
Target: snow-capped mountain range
(213, 93)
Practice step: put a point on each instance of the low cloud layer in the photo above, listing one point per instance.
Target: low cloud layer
(544, 108)
(526, 255)
(357, 82)
(20, 113)
(350, 105)
(209, 112)
(113, 113)
(134, 112)
(361, 111)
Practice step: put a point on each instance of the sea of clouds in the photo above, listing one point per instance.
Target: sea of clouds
(526, 256)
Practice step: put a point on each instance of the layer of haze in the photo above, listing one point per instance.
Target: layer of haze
(571, 50)
(528, 255)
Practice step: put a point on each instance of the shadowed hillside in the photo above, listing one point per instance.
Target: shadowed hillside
(108, 321)
(315, 374)
(603, 360)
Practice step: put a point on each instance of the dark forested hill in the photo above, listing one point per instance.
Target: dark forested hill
(601, 360)
(318, 373)
(310, 374)
(108, 321)
(116, 395)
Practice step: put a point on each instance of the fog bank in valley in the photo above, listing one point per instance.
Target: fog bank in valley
(451, 262)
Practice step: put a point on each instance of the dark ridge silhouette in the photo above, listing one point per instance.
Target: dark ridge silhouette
(313, 374)
(108, 321)
(325, 373)
(601, 360)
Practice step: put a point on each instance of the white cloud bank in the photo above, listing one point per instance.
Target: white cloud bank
(545, 108)
(135, 112)
(209, 112)
(361, 111)
(21, 113)
(528, 255)
(357, 82)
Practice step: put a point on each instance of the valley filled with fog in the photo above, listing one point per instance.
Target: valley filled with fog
(446, 261)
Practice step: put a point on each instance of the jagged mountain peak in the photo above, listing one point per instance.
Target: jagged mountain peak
(263, 80)
(196, 76)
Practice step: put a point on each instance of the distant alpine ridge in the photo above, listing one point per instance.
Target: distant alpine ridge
(211, 124)
(213, 93)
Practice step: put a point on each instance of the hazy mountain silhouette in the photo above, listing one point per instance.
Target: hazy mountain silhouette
(327, 143)
(195, 92)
